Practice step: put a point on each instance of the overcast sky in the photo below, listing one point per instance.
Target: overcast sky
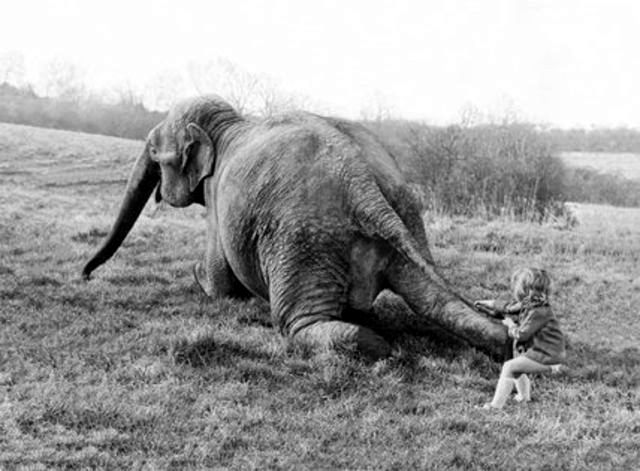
(562, 62)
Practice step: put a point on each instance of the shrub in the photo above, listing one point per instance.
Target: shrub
(507, 169)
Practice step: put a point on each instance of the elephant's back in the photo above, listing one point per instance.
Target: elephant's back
(282, 192)
(290, 186)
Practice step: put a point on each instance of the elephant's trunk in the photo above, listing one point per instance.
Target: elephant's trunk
(143, 179)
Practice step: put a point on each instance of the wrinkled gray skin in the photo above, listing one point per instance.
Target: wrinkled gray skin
(309, 213)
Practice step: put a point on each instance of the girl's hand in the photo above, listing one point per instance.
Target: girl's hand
(508, 322)
(514, 308)
(485, 304)
(512, 328)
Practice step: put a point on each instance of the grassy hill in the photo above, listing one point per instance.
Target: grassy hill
(136, 369)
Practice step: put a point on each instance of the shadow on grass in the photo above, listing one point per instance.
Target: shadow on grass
(586, 363)
(436, 356)
(255, 317)
(229, 360)
(204, 352)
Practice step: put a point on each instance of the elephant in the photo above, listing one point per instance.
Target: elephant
(311, 214)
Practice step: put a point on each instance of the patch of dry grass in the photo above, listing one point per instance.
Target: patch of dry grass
(135, 369)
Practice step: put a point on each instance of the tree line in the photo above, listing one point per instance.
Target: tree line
(503, 167)
(129, 119)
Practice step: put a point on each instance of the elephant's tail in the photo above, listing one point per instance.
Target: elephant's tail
(377, 218)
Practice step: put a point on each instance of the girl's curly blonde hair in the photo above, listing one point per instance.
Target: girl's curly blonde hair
(531, 285)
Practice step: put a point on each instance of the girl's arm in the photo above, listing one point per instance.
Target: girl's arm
(497, 307)
(532, 323)
(488, 306)
(513, 307)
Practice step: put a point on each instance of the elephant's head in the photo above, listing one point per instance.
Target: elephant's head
(184, 151)
(179, 154)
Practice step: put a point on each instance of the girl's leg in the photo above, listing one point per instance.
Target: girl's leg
(523, 386)
(510, 369)
(503, 389)
(522, 364)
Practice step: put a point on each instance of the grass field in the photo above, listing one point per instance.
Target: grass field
(136, 370)
(625, 165)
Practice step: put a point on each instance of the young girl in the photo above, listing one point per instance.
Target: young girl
(537, 334)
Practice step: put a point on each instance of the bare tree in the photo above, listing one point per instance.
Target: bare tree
(62, 79)
(12, 68)
(127, 95)
(377, 109)
(271, 99)
(249, 93)
(223, 77)
(164, 89)
(470, 115)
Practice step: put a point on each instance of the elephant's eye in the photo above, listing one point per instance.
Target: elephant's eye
(153, 151)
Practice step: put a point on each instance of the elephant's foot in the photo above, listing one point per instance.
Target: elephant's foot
(339, 335)
(200, 275)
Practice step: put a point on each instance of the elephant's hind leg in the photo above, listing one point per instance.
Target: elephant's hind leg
(308, 297)
(344, 336)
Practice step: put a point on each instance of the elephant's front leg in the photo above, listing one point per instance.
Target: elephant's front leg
(434, 304)
(214, 275)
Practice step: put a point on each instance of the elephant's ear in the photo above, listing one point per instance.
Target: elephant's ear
(198, 157)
